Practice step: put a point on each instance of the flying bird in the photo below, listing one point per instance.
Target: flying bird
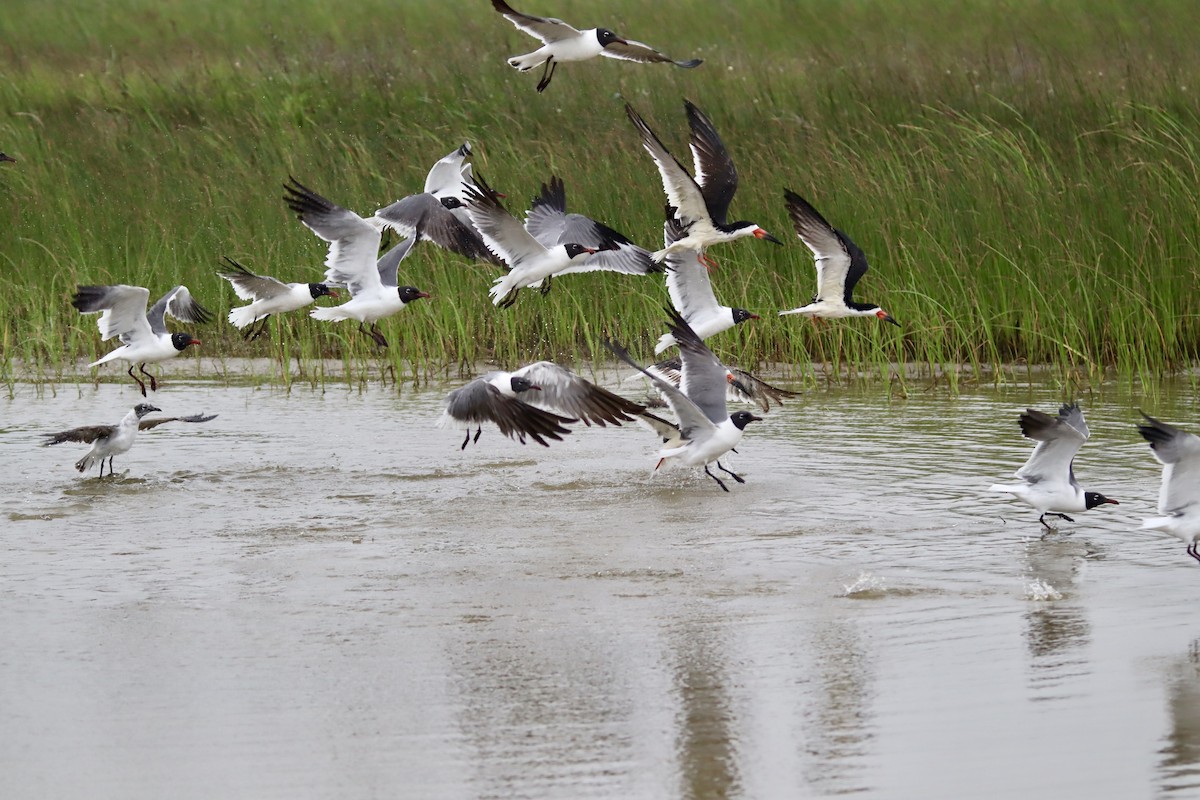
(144, 335)
(112, 440)
(840, 266)
(691, 291)
(353, 246)
(269, 296)
(743, 386)
(1048, 478)
(561, 42)
(700, 203)
(1179, 497)
(706, 431)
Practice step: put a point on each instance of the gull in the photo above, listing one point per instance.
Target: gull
(561, 42)
(702, 203)
(691, 291)
(5, 157)
(1179, 497)
(706, 431)
(840, 265)
(144, 335)
(1048, 479)
(269, 296)
(439, 210)
(353, 246)
(529, 260)
(743, 387)
(111, 440)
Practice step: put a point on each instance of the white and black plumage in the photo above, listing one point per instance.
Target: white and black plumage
(353, 246)
(440, 212)
(268, 295)
(706, 431)
(743, 387)
(700, 203)
(1048, 478)
(143, 334)
(840, 266)
(112, 440)
(529, 261)
(5, 157)
(691, 291)
(1179, 498)
(561, 42)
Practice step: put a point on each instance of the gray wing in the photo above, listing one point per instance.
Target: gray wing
(548, 29)
(479, 402)
(438, 225)
(86, 434)
(744, 388)
(715, 171)
(567, 393)
(682, 192)
(389, 263)
(693, 423)
(704, 376)
(179, 304)
(501, 231)
(630, 50)
(249, 286)
(147, 424)
(833, 258)
(1179, 453)
(123, 307)
(353, 242)
(1059, 439)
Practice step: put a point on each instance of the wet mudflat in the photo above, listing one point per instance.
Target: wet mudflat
(320, 595)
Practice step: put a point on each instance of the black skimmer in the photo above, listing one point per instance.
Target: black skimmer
(1179, 497)
(840, 266)
(529, 260)
(1048, 477)
(143, 334)
(112, 440)
(537, 400)
(5, 157)
(691, 291)
(706, 430)
(561, 42)
(269, 296)
(702, 203)
(440, 212)
(353, 247)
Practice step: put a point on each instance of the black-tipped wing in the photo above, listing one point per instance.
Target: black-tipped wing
(567, 393)
(715, 171)
(179, 304)
(744, 388)
(353, 242)
(249, 286)
(438, 225)
(693, 422)
(630, 50)
(1179, 453)
(86, 434)
(682, 191)
(1059, 439)
(123, 307)
(704, 376)
(840, 263)
(147, 424)
(479, 402)
(548, 29)
(501, 231)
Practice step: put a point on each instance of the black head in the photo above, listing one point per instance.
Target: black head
(743, 418)
(410, 293)
(142, 409)
(182, 340)
(520, 384)
(607, 37)
(1093, 499)
(320, 290)
(575, 250)
(740, 315)
(451, 203)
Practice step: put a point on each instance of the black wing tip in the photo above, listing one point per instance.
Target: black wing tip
(304, 200)
(1156, 432)
(237, 268)
(689, 64)
(553, 195)
(681, 330)
(482, 193)
(503, 7)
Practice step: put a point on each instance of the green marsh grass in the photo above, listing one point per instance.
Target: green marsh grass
(1022, 176)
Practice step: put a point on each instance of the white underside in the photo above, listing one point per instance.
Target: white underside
(157, 349)
(579, 48)
(698, 454)
(1059, 497)
(704, 327)
(363, 308)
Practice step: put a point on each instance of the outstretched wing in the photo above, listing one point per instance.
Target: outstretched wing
(124, 310)
(353, 242)
(86, 434)
(715, 171)
(682, 192)
(1059, 439)
(548, 29)
(249, 286)
(629, 50)
(1179, 453)
(147, 424)
(479, 402)
(567, 393)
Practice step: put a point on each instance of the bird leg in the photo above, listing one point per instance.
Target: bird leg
(466, 439)
(110, 458)
(255, 331)
(478, 430)
(374, 333)
(709, 263)
(135, 380)
(153, 382)
(715, 478)
(1191, 551)
(509, 299)
(1042, 518)
(736, 477)
(545, 290)
(547, 74)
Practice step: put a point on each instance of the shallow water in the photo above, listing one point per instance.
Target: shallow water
(320, 595)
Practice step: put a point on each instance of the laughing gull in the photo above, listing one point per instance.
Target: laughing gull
(353, 246)
(269, 296)
(706, 431)
(701, 204)
(1179, 497)
(529, 260)
(840, 265)
(561, 42)
(743, 387)
(440, 211)
(1048, 478)
(691, 291)
(111, 440)
(144, 335)
(5, 157)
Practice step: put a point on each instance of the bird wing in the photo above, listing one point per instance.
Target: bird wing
(630, 50)
(124, 310)
(548, 29)
(249, 286)
(147, 424)
(744, 388)
(1059, 439)
(693, 423)
(501, 231)
(833, 260)
(567, 393)
(86, 434)
(682, 192)
(179, 304)
(548, 221)
(715, 172)
(438, 225)
(1179, 452)
(447, 173)
(479, 401)
(704, 376)
(353, 242)
(688, 282)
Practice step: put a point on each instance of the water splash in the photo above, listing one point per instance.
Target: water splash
(866, 584)
(1039, 591)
